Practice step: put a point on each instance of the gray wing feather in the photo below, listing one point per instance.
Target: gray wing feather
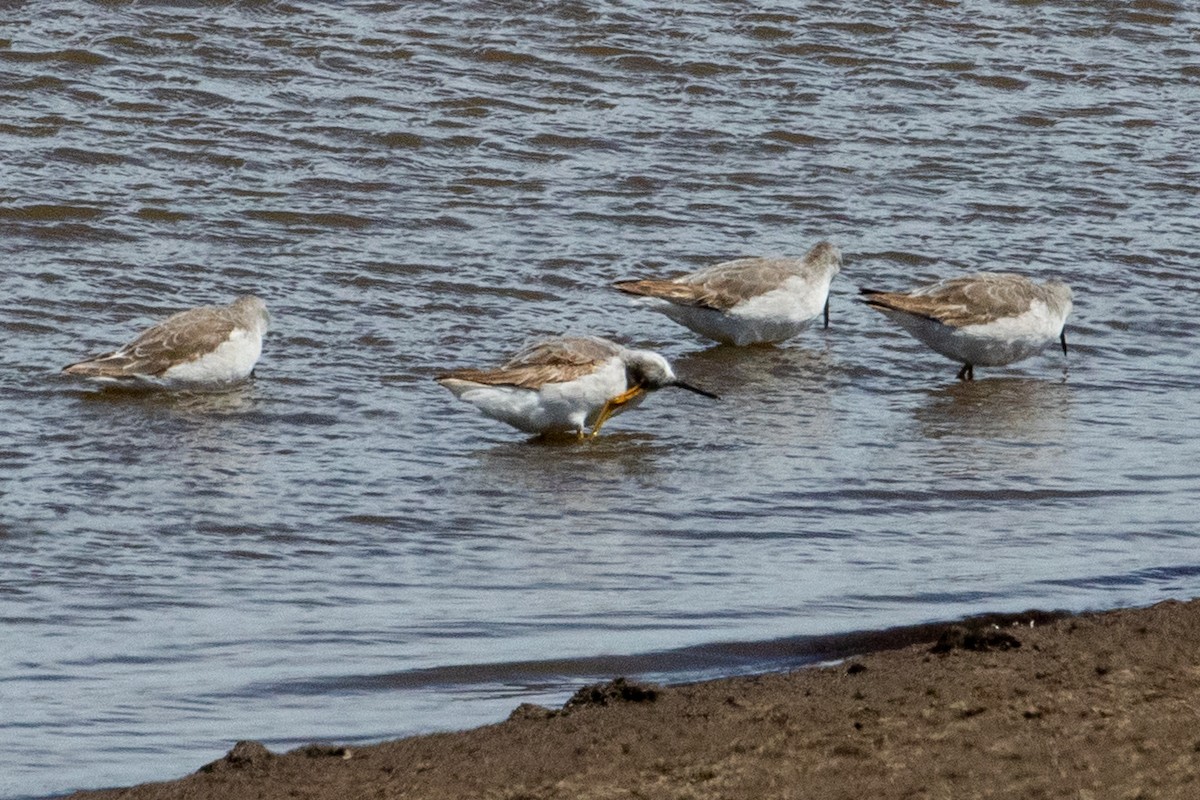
(725, 285)
(966, 300)
(178, 339)
(555, 360)
(721, 286)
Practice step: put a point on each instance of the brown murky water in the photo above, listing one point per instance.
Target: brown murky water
(340, 551)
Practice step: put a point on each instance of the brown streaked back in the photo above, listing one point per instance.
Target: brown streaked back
(180, 338)
(721, 286)
(555, 360)
(725, 285)
(967, 300)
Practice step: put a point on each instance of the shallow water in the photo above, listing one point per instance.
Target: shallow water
(340, 551)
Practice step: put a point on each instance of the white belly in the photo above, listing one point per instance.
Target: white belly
(994, 344)
(231, 362)
(556, 407)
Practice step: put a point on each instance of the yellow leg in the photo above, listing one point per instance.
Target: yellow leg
(605, 412)
(625, 396)
(612, 404)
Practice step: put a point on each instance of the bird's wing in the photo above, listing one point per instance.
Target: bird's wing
(180, 338)
(721, 286)
(551, 361)
(968, 300)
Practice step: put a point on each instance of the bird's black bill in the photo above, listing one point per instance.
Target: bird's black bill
(696, 389)
(827, 312)
(1063, 339)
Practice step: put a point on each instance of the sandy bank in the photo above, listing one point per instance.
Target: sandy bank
(1092, 706)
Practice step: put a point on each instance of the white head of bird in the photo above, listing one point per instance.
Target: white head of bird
(650, 371)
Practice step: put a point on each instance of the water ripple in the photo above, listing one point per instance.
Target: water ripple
(431, 186)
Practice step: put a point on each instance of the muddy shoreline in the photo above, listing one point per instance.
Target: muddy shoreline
(1032, 705)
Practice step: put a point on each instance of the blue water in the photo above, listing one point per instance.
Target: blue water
(340, 551)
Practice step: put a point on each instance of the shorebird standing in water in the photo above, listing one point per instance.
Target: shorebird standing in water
(565, 384)
(987, 319)
(747, 301)
(209, 347)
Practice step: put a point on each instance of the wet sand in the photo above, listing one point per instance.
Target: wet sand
(1090, 706)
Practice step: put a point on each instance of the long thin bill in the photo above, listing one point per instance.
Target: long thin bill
(826, 312)
(1063, 339)
(696, 389)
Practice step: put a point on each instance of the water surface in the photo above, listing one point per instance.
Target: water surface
(339, 551)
